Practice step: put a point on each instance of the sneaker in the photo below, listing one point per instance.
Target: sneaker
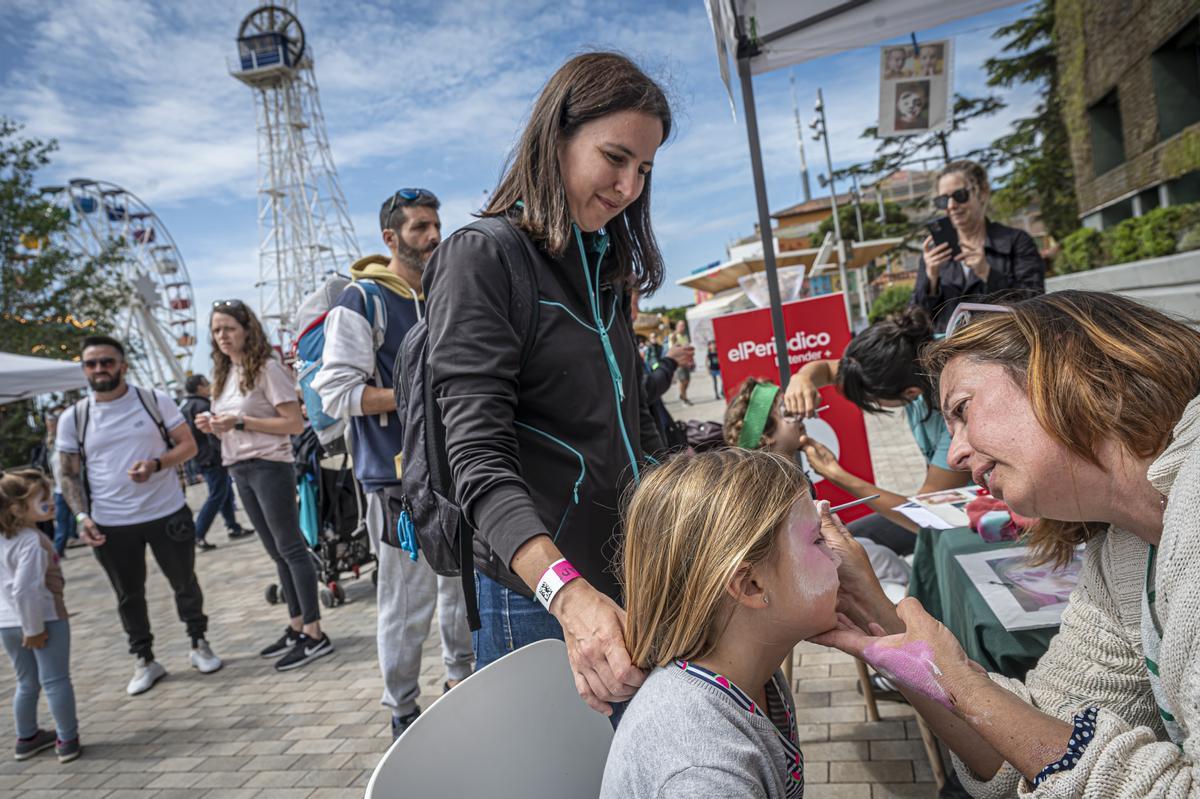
(28, 747)
(68, 750)
(304, 652)
(239, 532)
(202, 658)
(145, 674)
(204, 546)
(401, 723)
(282, 646)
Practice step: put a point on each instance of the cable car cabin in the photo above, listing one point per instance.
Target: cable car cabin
(264, 50)
(116, 213)
(186, 340)
(85, 204)
(167, 265)
(181, 303)
(143, 235)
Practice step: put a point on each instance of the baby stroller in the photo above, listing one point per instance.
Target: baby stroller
(332, 519)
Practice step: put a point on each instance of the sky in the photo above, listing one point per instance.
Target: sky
(424, 94)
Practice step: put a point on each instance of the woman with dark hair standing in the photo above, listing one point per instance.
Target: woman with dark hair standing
(880, 370)
(996, 261)
(542, 438)
(254, 411)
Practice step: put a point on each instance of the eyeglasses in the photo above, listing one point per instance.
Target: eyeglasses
(966, 312)
(229, 304)
(410, 196)
(942, 201)
(101, 363)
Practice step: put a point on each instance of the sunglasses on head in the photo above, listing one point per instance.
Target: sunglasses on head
(100, 363)
(229, 304)
(966, 312)
(409, 196)
(942, 201)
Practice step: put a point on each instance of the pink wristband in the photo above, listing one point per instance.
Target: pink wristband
(553, 579)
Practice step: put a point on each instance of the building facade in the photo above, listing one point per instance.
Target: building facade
(1130, 86)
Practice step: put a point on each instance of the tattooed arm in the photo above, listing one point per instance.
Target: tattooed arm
(73, 493)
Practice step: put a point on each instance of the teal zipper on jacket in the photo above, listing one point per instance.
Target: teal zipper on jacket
(578, 480)
(610, 357)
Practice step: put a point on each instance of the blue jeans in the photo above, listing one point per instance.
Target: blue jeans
(220, 498)
(64, 523)
(509, 621)
(48, 669)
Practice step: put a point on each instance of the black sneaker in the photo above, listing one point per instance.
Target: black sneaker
(282, 646)
(239, 532)
(28, 747)
(204, 546)
(401, 723)
(304, 652)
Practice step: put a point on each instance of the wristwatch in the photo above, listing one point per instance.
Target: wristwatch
(240, 424)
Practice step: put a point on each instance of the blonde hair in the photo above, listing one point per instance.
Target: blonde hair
(1095, 367)
(16, 489)
(691, 523)
(735, 413)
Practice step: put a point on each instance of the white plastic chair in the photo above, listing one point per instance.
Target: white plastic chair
(515, 729)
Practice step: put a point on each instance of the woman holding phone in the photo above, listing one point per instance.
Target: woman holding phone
(975, 258)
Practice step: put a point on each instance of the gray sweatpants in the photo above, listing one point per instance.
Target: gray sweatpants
(407, 593)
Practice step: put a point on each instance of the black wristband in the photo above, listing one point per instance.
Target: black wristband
(157, 465)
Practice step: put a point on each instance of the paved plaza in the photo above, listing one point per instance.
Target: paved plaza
(248, 731)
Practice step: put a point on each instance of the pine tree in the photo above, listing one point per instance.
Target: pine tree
(50, 297)
(1037, 150)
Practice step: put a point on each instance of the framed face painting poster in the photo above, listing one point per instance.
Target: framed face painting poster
(914, 88)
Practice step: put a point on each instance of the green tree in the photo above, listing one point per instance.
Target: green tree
(895, 224)
(1037, 150)
(49, 296)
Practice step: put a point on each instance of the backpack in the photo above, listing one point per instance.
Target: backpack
(208, 446)
(423, 513)
(81, 410)
(310, 346)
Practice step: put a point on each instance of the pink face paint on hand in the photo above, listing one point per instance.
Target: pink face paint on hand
(910, 665)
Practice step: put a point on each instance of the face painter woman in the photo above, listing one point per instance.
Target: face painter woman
(1080, 409)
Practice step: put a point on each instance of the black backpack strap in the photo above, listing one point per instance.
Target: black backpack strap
(151, 408)
(514, 251)
(80, 411)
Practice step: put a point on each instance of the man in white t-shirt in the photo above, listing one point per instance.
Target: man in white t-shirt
(118, 449)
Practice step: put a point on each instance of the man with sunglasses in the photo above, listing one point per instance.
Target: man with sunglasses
(992, 262)
(119, 449)
(355, 382)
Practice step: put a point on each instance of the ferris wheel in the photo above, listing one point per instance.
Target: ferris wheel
(158, 321)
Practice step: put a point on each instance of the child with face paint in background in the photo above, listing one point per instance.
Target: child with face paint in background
(724, 570)
(756, 419)
(33, 618)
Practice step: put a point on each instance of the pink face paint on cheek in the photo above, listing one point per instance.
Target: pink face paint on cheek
(911, 665)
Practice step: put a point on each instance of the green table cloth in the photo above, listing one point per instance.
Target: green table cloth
(949, 595)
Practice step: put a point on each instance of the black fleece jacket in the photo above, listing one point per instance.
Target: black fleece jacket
(548, 449)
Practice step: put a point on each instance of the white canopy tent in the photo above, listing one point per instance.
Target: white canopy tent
(24, 376)
(764, 35)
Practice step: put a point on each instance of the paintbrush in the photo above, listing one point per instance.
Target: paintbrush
(840, 508)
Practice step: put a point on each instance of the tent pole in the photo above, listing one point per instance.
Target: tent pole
(764, 220)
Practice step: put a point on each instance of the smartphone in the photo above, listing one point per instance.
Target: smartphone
(943, 232)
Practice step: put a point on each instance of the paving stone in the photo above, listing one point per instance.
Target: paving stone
(871, 771)
(897, 750)
(867, 731)
(836, 750)
(903, 791)
(834, 791)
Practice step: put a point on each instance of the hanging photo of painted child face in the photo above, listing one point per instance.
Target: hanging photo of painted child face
(914, 88)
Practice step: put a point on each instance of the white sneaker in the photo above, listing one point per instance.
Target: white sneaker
(203, 659)
(145, 674)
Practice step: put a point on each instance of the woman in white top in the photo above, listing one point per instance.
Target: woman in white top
(33, 618)
(254, 411)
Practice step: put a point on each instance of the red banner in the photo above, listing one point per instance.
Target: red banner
(817, 329)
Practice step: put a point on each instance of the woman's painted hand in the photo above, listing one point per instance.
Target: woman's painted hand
(925, 659)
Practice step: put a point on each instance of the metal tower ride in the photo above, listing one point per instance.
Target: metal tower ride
(305, 231)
